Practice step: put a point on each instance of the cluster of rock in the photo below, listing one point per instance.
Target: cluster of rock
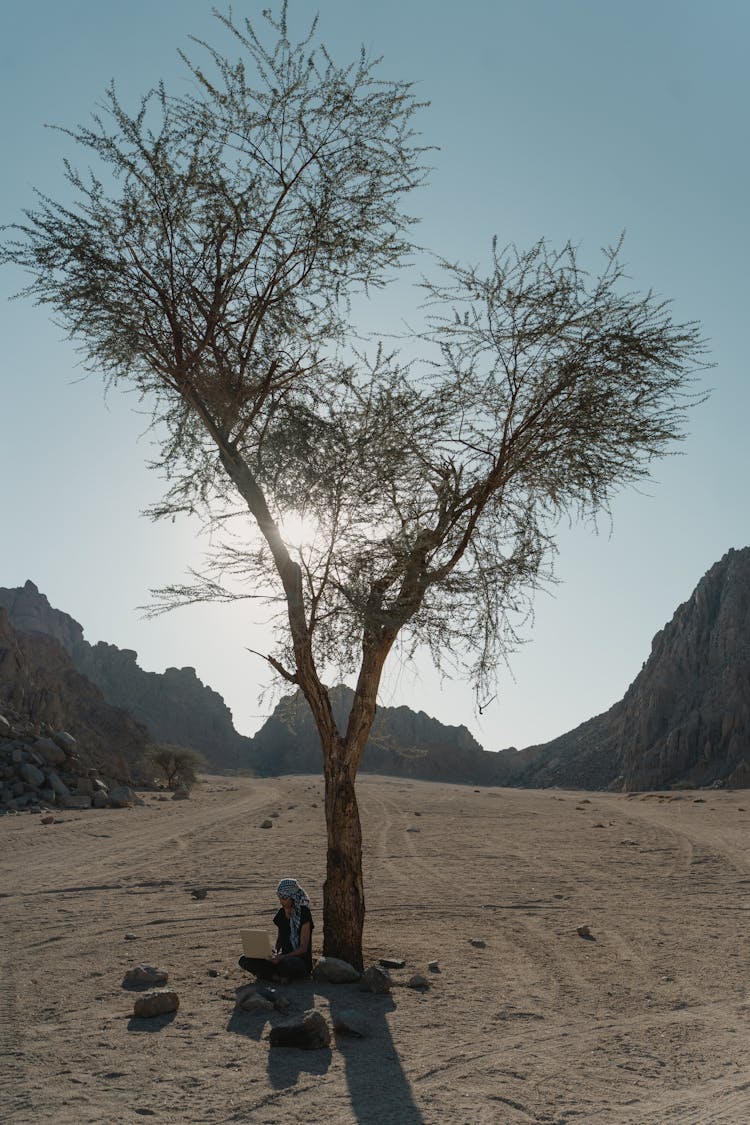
(41, 769)
(310, 1031)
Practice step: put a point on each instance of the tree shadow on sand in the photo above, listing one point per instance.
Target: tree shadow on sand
(374, 1075)
(285, 1065)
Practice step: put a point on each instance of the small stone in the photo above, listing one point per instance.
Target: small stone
(477, 943)
(348, 1022)
(48, 820)
(309, 1034)
(255, 1003)
(413, 830)
(156, 1004)
(213, 972)
(418, 982)
(375, 980)
(131, 937)
(243, 992)
(267, 824)
(277, 1001)
(123, 797)
(392, 962)
(583, 931)
(433, 966)
(144, 975)
(199, 892)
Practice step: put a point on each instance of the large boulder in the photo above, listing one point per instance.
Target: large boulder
(335, 971)
(50, 751)
(30, 774)
(375, 979)
(311, 1033)
(123, 797)
(57, 785)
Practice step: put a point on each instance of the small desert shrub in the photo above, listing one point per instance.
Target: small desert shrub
(178, 765)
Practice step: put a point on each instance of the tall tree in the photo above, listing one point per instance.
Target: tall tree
(210, 263)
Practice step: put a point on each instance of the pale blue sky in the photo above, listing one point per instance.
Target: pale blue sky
(572, 120)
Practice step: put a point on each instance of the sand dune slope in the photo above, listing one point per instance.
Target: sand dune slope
(645, 1022)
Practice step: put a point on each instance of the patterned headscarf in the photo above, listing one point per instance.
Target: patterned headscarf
(290, 888)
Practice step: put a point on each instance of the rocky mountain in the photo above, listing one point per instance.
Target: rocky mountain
(403, 742)
(686, 716)
(684, 719)
(174, 705)
(40, 687)
(177, 707)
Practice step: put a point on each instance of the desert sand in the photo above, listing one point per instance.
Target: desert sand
(645, 1021)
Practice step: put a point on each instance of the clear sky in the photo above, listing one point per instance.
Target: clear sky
(568, 119)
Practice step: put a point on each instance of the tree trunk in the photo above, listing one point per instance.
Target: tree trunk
(343, 894)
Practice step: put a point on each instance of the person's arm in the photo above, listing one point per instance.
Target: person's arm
(304, 943)
(276, 954)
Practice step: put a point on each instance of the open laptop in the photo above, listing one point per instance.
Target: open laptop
(256, 943)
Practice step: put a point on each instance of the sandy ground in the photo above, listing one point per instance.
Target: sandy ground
(645, 1022)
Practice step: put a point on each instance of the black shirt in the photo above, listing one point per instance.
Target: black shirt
(281, 922)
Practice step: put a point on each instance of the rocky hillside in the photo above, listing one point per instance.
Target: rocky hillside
(403, 743)
(686, 716)
(174, 705)
(177, 708)
(684, 719)
(42, 690)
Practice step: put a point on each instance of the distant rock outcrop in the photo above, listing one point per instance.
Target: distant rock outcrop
(174, 705)
(40, 687)
(686, 717)
(403, 743)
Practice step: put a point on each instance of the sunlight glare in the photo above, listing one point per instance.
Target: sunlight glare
(299, 532)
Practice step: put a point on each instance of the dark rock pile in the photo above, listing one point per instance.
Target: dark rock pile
(42, 699)
(41, 769)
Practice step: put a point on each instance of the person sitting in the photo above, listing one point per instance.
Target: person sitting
(292, 957)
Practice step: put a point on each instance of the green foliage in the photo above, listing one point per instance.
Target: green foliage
(178, 765)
